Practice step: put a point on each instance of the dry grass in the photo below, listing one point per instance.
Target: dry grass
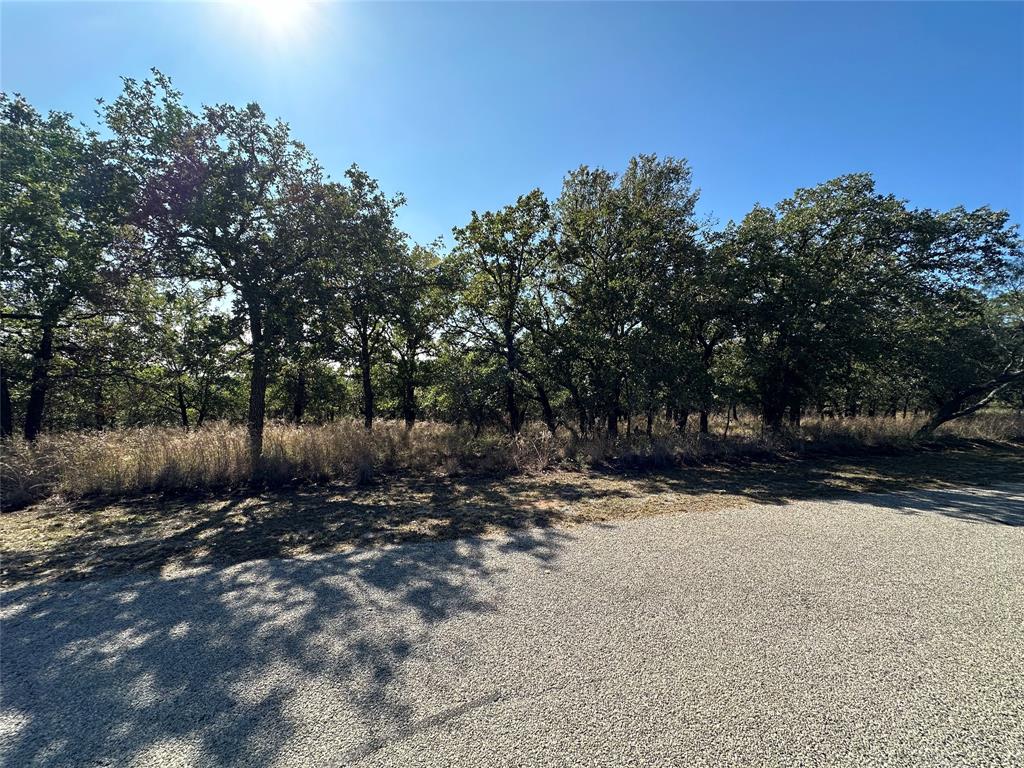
(62, 539)
(130, 462)
(998, 425)
(133, 461)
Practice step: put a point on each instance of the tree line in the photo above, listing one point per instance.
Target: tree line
(175, 266)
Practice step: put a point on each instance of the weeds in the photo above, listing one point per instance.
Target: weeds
(132, 461)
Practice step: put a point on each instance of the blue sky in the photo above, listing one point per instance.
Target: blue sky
(466, 106)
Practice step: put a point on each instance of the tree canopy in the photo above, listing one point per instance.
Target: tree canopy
(177, 265)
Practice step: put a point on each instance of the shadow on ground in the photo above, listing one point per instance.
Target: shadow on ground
(976, 506)
(844, 477)
(55, 541)
(207, 666)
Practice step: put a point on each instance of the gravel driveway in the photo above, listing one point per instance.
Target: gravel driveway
(883, 631)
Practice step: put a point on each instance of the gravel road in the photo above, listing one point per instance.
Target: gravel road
(888, 630)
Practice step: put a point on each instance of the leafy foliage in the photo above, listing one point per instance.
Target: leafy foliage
(188, 265)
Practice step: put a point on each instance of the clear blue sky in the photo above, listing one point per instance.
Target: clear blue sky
(464, 106)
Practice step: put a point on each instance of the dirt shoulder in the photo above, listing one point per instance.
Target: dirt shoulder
(57, 540)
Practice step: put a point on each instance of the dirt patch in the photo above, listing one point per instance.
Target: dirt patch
(57, 540)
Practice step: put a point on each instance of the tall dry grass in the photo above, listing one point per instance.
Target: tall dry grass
(131, 461)
(127, 461)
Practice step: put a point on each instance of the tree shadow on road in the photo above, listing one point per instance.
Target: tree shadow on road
(215, 666)
(851, 478)
(976, 506)
(216, 662)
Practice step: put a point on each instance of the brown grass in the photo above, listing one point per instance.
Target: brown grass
(62, 538)
(133, 461)
(121, 463)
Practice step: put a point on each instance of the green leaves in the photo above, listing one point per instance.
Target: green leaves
(839, 276)
(499, 265)
(622, 240)
(197, 248)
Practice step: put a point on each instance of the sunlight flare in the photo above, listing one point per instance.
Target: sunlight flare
(277, 19)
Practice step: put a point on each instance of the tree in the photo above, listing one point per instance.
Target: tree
(224, 199)
(498, 259)
(833, 272)
(968, 275)
(969, 348)
(62, 205)
(818, 271)
(364, 252)
(418, 313)
(193, 351)
(197, 265)
(619, 236)
(706, 295)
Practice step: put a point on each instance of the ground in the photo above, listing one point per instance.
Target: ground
(877, 621)
(58, 540)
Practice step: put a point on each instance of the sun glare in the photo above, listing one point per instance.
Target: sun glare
(279, 19)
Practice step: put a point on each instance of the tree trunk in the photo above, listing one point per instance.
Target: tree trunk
(650, 422)
(613, 412)
(795, 407)
(301, 397)
(409, 402)
(38, 384)
(706, 357)
(773, 413)
(682, 416)
(957, 407)
(613, 423)
(364, 369)
(940, 417)
(511, 406)
(409, 384)
(6, 415)
(515, 417)
(204, 404)
(257, 389)
(545, 407)
(182, 407)
(582, 414)
(894, 407)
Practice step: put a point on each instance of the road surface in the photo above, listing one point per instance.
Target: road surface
(884, 630)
